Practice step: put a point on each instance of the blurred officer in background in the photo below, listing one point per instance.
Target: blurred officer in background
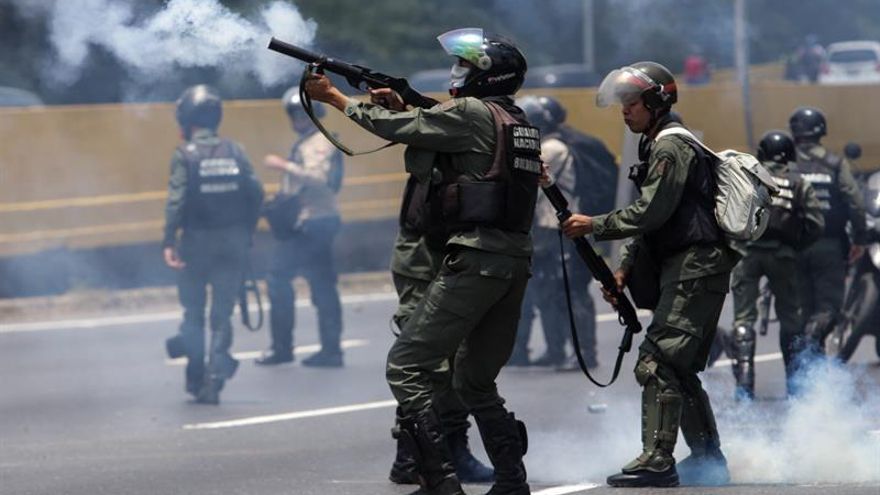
(822, 267)
(584, 169)
(796, 222)
(305, 220)
(482, 161)
(214, 198)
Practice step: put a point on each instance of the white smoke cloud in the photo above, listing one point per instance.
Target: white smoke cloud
(823, 437)
(185, 33)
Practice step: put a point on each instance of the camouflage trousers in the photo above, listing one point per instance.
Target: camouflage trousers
(468, 316)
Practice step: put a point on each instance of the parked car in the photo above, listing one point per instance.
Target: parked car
(852, 62)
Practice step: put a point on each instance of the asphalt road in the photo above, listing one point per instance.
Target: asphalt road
(93, 407)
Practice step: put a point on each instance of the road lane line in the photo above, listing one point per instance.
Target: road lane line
(565, 489)
(104, 321)
(274, 418)
(758, 359)
(300, 349)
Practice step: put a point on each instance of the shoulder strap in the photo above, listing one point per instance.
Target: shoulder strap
(681, 131)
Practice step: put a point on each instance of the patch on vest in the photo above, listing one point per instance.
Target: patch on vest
(527, 164)
(218, 167)
(218, 187)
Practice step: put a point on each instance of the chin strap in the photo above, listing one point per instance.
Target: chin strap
(306, 100)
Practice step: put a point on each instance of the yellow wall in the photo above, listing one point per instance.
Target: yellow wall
(84, 176)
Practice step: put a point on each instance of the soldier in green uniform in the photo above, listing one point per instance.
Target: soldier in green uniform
(480, 159)
(796, 222)
(414, 263)
(822, 267)
(673, 221)
(214, 198)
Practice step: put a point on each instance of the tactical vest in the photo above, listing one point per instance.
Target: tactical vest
(786, 211)
(693, 221)
(216, 193)
(824, 175)
(503, 197)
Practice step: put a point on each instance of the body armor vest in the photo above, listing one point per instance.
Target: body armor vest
(216, 193)
(693, 221)
(786, 211)
(503, 197)
(823, 174)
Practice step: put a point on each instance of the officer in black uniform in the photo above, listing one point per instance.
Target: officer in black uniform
(214, 198)
(822, 266)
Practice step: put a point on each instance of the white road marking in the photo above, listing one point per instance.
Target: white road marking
(105, 321)
(565, 489)
(300, 349)
(274, 418)
(758, 359)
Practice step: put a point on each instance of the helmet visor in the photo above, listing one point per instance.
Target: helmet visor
(622, 87)
(467, 44)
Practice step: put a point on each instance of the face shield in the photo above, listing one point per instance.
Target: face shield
(622, 87)
(466, 44)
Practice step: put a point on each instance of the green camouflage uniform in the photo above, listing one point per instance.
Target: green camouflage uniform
(471, 307)
(693, 285)
(777, 261)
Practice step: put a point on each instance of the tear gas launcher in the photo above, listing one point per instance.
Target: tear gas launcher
(358, 76)
(626, 312)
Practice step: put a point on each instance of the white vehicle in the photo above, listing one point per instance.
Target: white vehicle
(852, 62)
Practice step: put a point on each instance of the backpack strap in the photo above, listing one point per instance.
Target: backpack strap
(681, 131)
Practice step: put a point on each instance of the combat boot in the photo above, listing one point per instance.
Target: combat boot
(423, 438)
(403, 470)
(704, 468)
(209, 393)
(273, 357)
(467, 467)
(652, 468)
(506, 442)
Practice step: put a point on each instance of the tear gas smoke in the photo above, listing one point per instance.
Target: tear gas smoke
(821, 437)
(185, 33)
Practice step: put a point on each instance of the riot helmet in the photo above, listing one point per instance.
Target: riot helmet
(807, 124)
(495, 66)
(776, 146)
(293, 106)
(543, 112)
(648, 81)
(199, 106)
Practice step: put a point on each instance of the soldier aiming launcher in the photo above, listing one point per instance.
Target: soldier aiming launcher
(626, 312)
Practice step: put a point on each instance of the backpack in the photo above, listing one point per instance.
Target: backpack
(743, 188)
(595, 171)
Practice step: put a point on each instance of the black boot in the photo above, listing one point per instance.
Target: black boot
(209, 393)
(468, 468)
(403, 470)
(506, 443)
(423, 438)
(655, 468)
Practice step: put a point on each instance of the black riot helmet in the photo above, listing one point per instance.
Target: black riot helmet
(776, 146)
(650, 81)
(293, 105)
(543, 112)
(497, 67)
(199, 106)
(807, 124)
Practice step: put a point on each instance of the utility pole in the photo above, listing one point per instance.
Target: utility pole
(588, 38)
(741, 53)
